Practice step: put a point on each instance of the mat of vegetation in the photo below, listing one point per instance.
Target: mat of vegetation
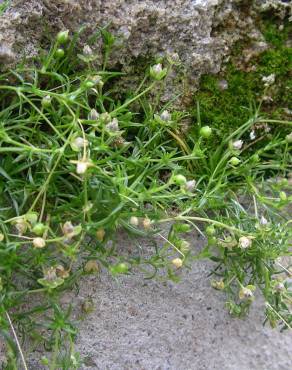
(80, 160)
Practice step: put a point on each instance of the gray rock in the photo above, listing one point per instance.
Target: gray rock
(201, 32)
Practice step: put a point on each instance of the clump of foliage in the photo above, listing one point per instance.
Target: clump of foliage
(228, 100)
(78, 164)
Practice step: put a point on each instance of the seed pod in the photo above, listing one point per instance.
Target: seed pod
(63, 36)
(237, 145)
(120, 268)
(91, 266)
(234, 161)
(100, 234)
(179, 179)
(206, 132)
(134, 221)
(39, 242)
(244, 242)
(60, 53)
(177, 262)
(39, 228)
(46, 101)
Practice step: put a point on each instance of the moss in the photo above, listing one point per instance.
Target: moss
(226, 109)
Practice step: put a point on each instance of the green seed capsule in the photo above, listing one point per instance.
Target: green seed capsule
(210, 230)
(60, 53)
(39, 228)
(206, 132)
(283, 196)
(62, 37)
(46, 101)
(179, 179)
(120, 268)
(234, 161)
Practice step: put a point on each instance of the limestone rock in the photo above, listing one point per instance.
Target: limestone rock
(201, 32)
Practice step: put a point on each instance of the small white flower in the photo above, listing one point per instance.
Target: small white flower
(113, 126)
(81, 167)
(252, 135)
(269, 80)
(244, 242)
(190, 185)
(157, 68)
(237, 145)
(165, 116)
(87, 51)
(263, 221)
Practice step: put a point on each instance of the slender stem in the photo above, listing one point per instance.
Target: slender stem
(17, 341)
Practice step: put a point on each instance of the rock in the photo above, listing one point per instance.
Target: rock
(200, 32)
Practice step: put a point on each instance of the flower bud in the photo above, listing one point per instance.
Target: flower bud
(157, 72)
(62, 37)
(237, 145)
(283, 196)
(78, 143)
(1, 237)
(263, 221)
(252, 135)
(234, 161)
(21, 226)
(190, 185)
(39, 242)
(68, 228)
(134, 221)
(206, 132)
(93, 115)
(165, 116)
(244, 242)
(46, 101)
(177, 262)
(113, 126)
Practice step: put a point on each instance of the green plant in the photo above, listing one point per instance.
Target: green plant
(78, 163)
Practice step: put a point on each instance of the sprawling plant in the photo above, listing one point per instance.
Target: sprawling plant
(80, 160)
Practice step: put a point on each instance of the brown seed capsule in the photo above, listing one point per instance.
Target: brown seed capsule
(91, 266)
(100, 234)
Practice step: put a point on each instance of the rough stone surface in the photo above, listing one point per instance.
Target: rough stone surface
(201, 32)
(140, 324)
